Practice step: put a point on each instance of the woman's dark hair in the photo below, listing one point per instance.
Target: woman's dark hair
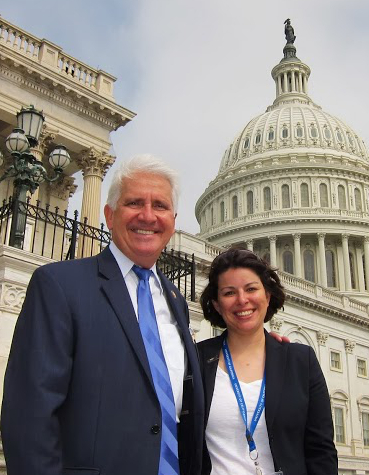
(233, 259)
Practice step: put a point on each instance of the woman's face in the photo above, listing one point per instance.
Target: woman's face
(242, 300)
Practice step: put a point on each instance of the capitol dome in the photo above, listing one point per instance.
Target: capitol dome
(294, 187)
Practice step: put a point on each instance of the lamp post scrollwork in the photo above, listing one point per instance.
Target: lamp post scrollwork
(27, 171)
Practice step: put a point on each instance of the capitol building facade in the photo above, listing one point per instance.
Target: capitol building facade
(293, 187)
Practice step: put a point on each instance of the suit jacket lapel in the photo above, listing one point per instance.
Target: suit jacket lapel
(275, 372)
(115, 289)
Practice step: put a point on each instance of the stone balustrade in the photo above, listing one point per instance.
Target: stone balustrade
(323, 295)
(52, 57)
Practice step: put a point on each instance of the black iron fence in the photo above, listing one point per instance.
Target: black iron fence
(53, 234)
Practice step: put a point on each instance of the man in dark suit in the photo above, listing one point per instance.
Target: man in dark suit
(79, 395)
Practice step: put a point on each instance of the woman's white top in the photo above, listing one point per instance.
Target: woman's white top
(225, 432)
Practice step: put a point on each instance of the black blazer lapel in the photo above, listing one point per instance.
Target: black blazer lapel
(275, 372)
(115, 289)
(209, 358)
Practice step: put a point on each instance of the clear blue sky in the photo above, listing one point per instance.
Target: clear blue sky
(196, 71)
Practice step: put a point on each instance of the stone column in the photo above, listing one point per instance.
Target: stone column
(273, 250)
(322, 261)
(353, 414)
(94, 165)
(285, 82)
(293, 86)
(250, 245)
(300, 81)
(346, 261)
(366, 259)
(279, 85)
(296, 242)
(360, 269)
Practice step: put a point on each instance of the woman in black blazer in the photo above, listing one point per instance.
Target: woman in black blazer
(276, 390)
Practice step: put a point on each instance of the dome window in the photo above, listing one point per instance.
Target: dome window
(258, 138)
(339, 136)
(299, 132)
(327, 133)
(350, 139)
(313, 131)
(246, 143)
(271, 135)
(284, 133)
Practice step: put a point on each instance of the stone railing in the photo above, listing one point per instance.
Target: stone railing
(324, 295)
(51, 56)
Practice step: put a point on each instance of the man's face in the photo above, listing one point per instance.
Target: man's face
(143, 221)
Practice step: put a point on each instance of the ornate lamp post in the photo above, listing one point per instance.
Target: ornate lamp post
(28, 172)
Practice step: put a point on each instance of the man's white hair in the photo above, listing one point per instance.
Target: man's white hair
(144, 163)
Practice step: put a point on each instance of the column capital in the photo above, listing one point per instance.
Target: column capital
(94, 162)
(275, 324)
(296, 236)
(322, 338)
(272, 238)
(47, 137)
(345, 236)
(349, 346)
(64, 188)
(321, 236)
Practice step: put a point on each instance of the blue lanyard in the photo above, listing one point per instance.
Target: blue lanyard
(240, 399)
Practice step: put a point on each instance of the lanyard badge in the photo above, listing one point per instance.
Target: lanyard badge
(242, 405)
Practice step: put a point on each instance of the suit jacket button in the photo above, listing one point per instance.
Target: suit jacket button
(155, 429)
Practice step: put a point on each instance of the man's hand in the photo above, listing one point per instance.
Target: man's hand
(279, 338)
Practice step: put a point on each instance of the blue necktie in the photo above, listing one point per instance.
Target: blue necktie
(168, 464)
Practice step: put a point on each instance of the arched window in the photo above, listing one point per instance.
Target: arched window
(250, 202)
(304, 190)
(342, 197)
(235, 207)
(313, 131)
(222, 214)
(286, 196)
(284, 133)
(246, 143)
(309, 265)
(327, 133)
(358, 203)
(299, 132)
(267, 199)
(352, 270)
(339, 136)
(331, 268)
(323, 191)
(288, 262)
(258, 138)
(351, 142)
(271, 135)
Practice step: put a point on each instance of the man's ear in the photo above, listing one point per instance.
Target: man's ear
(108, 213)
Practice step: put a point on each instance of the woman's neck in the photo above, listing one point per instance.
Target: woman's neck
(240, 343)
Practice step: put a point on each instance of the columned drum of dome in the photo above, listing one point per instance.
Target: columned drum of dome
(295, 170)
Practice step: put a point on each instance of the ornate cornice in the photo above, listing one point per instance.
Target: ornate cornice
(94, 162)
(67, 97)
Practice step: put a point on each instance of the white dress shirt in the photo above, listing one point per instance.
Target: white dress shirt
(170, 334)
